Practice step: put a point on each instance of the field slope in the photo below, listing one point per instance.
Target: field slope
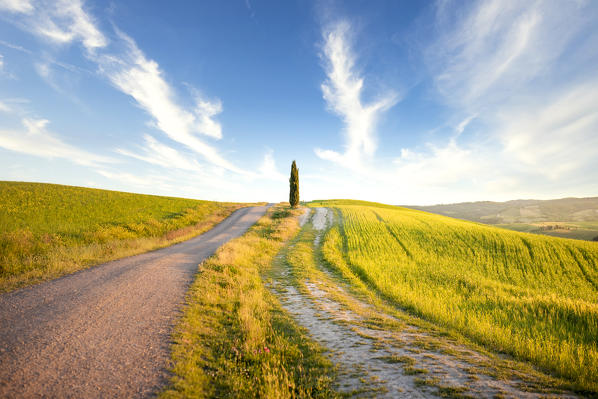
(534, 297)
(48, 230)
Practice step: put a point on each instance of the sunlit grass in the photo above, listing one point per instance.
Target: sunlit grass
(234, 339)
(48, 230)
(531, 296)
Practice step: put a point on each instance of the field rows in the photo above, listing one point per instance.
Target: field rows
(532, 296)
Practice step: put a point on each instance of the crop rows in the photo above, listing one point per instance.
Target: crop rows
(531, 296)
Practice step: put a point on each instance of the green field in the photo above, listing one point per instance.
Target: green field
(48, 230)
(531, 296)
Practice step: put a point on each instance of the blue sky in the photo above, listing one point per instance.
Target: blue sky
(395, 101)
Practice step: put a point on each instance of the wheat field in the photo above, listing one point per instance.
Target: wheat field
(533, 297)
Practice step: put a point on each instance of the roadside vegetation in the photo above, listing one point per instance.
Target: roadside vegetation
(49, 230)
(234, 339)
(530, 296)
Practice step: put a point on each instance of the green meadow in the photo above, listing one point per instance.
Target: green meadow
(48, 230)
(533, 297)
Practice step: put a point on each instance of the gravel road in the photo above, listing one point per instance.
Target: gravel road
(105, 331)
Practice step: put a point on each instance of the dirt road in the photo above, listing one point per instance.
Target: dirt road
(105, 331)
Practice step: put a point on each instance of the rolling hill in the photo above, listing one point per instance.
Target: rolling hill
(566, 217)
(48, 230)
(532, 296)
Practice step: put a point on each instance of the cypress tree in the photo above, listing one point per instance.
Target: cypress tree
(294, 181)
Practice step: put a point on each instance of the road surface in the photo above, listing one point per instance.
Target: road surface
(105, 331)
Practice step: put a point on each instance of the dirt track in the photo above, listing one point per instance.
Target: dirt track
(105, 331)
(398, 360)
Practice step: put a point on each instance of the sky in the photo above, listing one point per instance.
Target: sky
(401, 102)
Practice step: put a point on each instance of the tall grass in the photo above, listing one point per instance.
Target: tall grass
(533, 297)
(234, 339)
(48, 230)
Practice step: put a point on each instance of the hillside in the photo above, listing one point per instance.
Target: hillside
(566, 217)
(520, 211)
(47, 230)
(531, 296)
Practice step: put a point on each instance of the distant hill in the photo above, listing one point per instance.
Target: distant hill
(520, 211)
(566, 217)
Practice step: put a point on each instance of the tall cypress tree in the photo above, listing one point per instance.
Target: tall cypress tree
(294, 181)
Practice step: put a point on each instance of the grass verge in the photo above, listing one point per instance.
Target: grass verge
(234, 340)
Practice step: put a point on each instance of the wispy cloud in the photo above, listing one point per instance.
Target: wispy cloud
(17, 6)
(250, 8)
(526, 71)
(130, 179)
(268, 168)
(16, 47)
(460, 128)
(204, 113)
(141, 78)
(488, 50)
(3, 72)
(62, 21)
(554, 136)
(35, 139)
(128, 69)
(160, 154)
(4, 107)
(343, 91)
(44, 71)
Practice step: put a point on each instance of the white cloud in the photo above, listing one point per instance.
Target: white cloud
(131, 72)
(160, 154)
(63, 21)
(141, 78)
(43, 70)
(515, 67)
(4, 107)
(489, 50)
(36, 140)
(16, 6)
(554, 136)
(136, 180)
(15, 47)
(3, 72)
(460, 128)
(204, 111)
(342, 92)
(437, 166)
(268, 168)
